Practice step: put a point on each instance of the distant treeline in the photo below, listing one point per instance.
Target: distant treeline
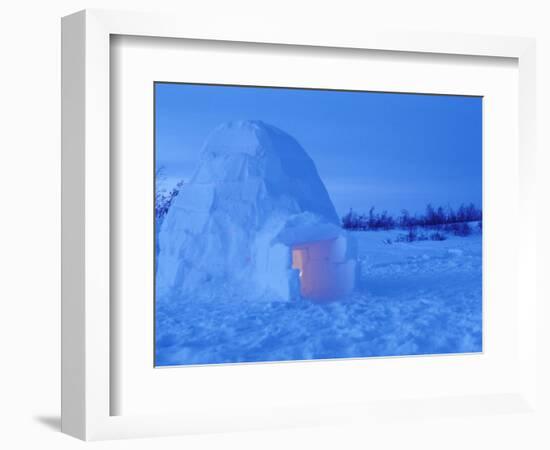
(432, 217)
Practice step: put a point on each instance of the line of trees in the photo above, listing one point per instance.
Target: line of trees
(432, 217)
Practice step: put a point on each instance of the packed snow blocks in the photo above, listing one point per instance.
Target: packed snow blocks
(255, 222)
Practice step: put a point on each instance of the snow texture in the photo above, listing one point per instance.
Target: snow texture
(413, 298)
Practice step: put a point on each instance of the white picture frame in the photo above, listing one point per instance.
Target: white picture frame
(86, 222)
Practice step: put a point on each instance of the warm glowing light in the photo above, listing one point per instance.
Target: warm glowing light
(325, 271)
(298, 258)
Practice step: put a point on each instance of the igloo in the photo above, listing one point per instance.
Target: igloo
(255, 221)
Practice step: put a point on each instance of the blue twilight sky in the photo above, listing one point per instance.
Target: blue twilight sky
(391, 151)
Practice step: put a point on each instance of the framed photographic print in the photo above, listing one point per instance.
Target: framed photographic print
(268, 252)
(266, 228)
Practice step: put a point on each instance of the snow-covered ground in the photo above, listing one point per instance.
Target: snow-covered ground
(414, 298)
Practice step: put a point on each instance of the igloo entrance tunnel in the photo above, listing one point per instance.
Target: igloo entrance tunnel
(255, 221)
(324, 268)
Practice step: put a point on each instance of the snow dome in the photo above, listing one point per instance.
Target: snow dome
(255, 221)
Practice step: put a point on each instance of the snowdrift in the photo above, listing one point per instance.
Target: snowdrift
(254, 222)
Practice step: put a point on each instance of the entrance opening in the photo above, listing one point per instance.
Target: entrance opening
(324, 271)
(298, 257)
(299, 262)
